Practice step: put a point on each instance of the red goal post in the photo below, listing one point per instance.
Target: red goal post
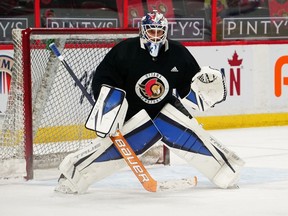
(46, 111)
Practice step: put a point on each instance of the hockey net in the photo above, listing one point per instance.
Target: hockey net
(46, 111)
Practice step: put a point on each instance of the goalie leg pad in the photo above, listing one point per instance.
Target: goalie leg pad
(71, 180)
(86, 166)
(83, 179)
(189, 140)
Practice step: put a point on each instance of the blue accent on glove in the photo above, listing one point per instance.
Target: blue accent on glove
(114, 99)
(192, 97)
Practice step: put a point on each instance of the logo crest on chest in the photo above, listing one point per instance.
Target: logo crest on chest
(152, 88)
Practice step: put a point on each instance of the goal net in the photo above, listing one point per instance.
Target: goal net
(46, 111)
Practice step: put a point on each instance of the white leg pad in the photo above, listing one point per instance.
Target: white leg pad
(81, 170)
(222, 167)
(225, 177)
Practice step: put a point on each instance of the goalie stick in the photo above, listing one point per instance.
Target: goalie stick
(125, 149)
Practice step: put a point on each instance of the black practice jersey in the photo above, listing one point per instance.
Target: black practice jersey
(148, 82)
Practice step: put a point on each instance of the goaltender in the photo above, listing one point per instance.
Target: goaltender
(133, 87)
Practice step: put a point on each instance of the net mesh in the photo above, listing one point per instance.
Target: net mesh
(58, 105)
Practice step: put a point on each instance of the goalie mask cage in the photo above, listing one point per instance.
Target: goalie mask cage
(46, 111)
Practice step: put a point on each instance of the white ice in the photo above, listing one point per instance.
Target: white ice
(263, 186)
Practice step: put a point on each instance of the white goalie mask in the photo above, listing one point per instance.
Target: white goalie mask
(154, 27)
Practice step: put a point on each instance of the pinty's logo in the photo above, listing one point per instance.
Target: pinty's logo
(6, 63)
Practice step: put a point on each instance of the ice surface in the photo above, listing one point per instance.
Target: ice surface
(263, 186)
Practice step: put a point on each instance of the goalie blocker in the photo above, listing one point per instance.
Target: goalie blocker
(108, 113)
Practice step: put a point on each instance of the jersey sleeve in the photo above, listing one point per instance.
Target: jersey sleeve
(107, 72)
(189, 68)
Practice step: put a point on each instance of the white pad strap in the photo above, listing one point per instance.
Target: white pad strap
(109, 111)
(208, 88)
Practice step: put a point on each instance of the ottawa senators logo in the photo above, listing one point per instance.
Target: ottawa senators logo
(152, 88)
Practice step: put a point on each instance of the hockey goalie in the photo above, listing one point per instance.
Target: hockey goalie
(133, 88)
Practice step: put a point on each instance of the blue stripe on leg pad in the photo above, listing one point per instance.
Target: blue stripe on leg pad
(140, 139)
(177, 136)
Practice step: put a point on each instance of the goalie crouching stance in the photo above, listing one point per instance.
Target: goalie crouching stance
(133, 87)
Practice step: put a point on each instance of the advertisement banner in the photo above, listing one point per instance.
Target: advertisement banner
(54, 22)
(6, 26)
(6, 63)
(255, 28)
(252, 80)
(256, 78)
